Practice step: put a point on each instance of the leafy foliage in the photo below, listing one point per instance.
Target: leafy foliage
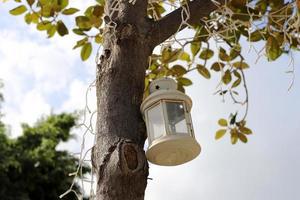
(273, 23)
(31, 167)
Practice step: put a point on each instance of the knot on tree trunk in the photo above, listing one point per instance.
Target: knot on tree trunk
(123, 171)
(131, 157)
(126, 31)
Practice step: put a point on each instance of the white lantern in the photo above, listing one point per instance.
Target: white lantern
(169, 125)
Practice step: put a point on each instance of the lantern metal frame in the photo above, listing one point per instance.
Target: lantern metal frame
(170, 148)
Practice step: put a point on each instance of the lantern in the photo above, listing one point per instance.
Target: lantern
(169, 125)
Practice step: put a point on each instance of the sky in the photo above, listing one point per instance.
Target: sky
(43, 76)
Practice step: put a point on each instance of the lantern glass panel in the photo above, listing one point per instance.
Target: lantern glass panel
(156, 122)
(176, 117)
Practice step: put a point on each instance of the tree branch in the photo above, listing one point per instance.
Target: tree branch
(170, 24)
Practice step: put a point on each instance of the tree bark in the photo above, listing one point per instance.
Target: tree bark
(171, 23)
(118, 156)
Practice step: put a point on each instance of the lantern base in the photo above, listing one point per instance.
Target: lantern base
(172, 150)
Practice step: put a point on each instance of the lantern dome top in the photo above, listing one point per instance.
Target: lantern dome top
(163, 84)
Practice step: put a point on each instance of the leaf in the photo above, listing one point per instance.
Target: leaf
(80, 43)
(34, 18)
(78, 31)
(61, 28)
(220, 133)
(223, 55)
(242, 137)
(169, 56)
(185, 56)
(63, 3)
(83, 22)
(222, 122)
(226, 77)
(195, 47)
(51, 31)
(238, 80)
(234, 52)
(98, 11)
(28, 18)
(44, 25)
(178, 70)
(203, 71)
(18, 10)
(273, 49)
(206, 54)
(98, 39)
(256, 36)
(30, 2)
(236, 83)
(240, 65)
(70, 11)
(234, 136)
(86, 51)
(245, 130)
(184, 81)
(217, 66)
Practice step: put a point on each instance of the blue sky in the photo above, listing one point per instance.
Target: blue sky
(42, 76)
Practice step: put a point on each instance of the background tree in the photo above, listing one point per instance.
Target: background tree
(30, 166)
(129, 31)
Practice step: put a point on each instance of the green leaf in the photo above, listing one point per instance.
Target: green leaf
(234, 52)
(240, 65)
(195, 47)
(70, 11)
(203, 71)
(63, 3)
(30, 2)
(169, 56)
(83, 22)
(222, 122)
(18, 10)
(98, 11)
(234, 136)
(273, 49)
(78, 31)
(206, 54)
(43, 2)
(245, 130)
(217, 66)
(86, 51)
(44, 25)
(220, 133)
(184, 81)
(226, 77)
(256, 36)
(242, 137)
(223, 55)
(238, 81)
(98, 39)
(51, 31)
(61, 28)
(185, 56)
(28, 18)
(178, 70)
(81, 42)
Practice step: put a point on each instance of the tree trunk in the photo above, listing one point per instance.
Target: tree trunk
(129, 38)
(118, 156)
